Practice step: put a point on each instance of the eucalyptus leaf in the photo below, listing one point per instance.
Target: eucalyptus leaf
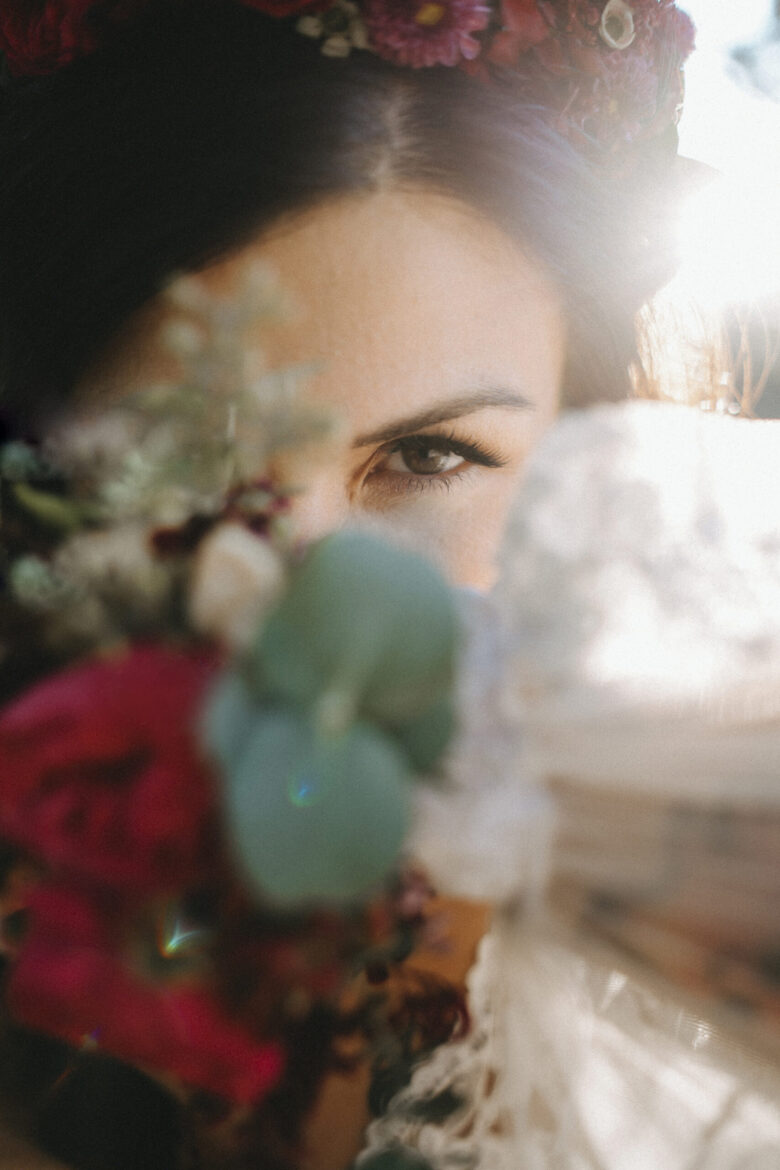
(369, 622)
(424, 738)
(228, 718)
(315, 819)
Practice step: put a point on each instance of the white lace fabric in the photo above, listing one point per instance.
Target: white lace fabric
(573, 1064)
(467, 1069)
(619, 734)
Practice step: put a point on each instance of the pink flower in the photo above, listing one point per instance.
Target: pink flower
(101, 777)
(71, 981)
(420, 33)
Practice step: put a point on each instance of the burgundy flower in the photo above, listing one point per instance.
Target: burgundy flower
(622, 101)
(41, 36)
(100, 777)
(420, 33)
(71, 981)
(606, 84)
(679, 33)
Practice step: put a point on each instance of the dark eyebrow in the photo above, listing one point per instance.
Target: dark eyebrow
(443, 412)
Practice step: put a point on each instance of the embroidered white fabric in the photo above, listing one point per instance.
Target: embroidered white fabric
(573, 1064)
(620, 733)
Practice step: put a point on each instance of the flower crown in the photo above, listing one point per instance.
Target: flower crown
(610, 72)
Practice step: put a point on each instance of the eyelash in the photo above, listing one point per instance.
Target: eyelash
(473, 453)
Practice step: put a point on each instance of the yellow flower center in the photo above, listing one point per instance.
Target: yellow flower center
(430, 14)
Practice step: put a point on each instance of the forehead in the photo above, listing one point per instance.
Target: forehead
(404, 298)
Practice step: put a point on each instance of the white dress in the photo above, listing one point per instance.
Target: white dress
(615, 790)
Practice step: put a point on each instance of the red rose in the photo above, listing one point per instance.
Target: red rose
(41, 36)
(71, 981)
(100, 776)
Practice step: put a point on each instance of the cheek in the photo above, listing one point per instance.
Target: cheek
(460, 529)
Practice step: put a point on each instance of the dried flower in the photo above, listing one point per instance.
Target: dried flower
(617, 25)
(116, 568)
(341, 29)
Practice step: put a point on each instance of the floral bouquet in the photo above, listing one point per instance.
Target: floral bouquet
(207, 747)
(219, 750)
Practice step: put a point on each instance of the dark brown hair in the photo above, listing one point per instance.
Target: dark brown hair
(197, 128)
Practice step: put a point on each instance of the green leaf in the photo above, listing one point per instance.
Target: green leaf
(365, 622)
(228, 717)
(315, 819)
(424, 739)
(50, 510)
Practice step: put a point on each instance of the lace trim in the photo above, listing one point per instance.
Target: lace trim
(571, 1064)
(474, 1135)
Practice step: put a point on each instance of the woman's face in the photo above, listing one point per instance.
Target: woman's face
(439, 347)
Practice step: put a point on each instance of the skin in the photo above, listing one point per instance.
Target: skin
(437, 345)
(432, 333)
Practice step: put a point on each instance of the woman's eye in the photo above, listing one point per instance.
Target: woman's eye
(421, 456)
(417, 462)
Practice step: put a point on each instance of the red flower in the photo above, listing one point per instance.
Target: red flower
(70, 981)
(419, 33)
(100, 777)
(41, 36)
(523, 26)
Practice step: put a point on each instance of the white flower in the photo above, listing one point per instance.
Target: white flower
(183, 338)
(341, 29)
(91, 444)
(111, 571)
(236, 578)
(617, 25)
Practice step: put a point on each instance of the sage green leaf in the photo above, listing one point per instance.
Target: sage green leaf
(315, 819)
(228, 717)
(424, 739)
(368, 626)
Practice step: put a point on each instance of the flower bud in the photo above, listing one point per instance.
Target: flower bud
(237, 576)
